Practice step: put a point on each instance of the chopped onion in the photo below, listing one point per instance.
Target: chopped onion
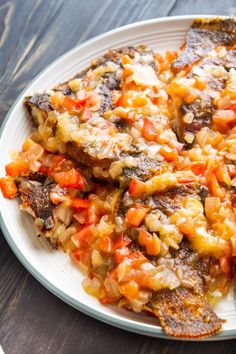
(64, 213)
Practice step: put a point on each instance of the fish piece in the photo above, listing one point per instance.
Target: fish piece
(203, 36)
(143, 169)
(185, 312)
(114, 55)
(170, 201)
(105, 82)
(40, 101)
(36, 200)
(214, 70)
(99, 141)
(198, 60)
(202, 110)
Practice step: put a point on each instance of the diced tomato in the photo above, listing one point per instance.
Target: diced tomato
(223, 118)
(107, 299)
(121, 241)
(74, 104)
(122, 101)
(70, 179)
(130, 289)
(69, 103)
(198, 167)
(233, 108)
(81, 256)
(8, 187)
(160, 58)
(171, 55)
(127, 71)
(56, 164)
(17, 168)
(43, 169)
(105, 244)
(136, 215)
(231, 170)
(151, 242)
(57, 160)
(121, 254)
(187, 228)
(75, 255)
(214, 186)
(125, 59)
(149, 131)
(136, 188)
(80, 203)
(168, 153)
(222, 174)
(82, 235)
(226, 265)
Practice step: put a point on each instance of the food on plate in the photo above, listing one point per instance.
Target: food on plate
(131, 170)
(203, 67)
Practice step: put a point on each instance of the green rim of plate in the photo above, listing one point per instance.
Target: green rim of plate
(120, 323)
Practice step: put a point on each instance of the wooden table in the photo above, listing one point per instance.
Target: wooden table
(32, 34)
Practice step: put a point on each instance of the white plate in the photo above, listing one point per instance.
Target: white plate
(53, 268)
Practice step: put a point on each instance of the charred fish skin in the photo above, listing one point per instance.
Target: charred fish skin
(40, 101)
(35, 197)
(170, 201)
(204, 36)
(196, 57)
(106, 83)
(202, 110)
(88, 151)
(185, 312)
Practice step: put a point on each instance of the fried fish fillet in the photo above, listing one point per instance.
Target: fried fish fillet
(208, 55)
(203, 36)
(50, 221)
(35, 197)
(185, 312)
(107, 142)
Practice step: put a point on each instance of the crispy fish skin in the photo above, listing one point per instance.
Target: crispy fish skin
(114, 55)
(106, 83)
(204, 36)
(203, 107)
(202, 110)
(41, 101)
(97, 148)
(185, 312)
(35, 197)
(170, 201)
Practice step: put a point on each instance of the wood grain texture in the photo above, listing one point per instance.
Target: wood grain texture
(32, 34)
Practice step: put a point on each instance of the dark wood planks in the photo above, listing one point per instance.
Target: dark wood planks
(33, 34)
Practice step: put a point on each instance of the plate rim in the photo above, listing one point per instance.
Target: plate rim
(86, 309)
